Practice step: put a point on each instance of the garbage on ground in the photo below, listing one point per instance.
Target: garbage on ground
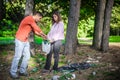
(67, 76)
(74, 66)
(73, 76)
(56, 77)
(92, 60)
(94, 73)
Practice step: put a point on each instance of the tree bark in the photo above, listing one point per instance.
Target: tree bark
(29, 7)
(71, 35)
(98, 27)
(29, 11)
(106, 26)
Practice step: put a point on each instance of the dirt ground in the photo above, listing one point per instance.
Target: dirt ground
(106, 66)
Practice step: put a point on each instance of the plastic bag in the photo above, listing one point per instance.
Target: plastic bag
(74, 66)
(46, 46)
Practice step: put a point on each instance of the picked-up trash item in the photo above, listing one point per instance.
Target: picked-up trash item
(46, 46)
(73, 76)
(92, 60)
(94, 73)
(56, 77)
(74, 66)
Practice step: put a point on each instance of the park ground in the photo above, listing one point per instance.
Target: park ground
(106, 65)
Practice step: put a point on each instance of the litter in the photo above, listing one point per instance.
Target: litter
(46, 46)
(74, 66)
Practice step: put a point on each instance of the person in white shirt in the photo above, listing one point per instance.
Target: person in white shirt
(55, 36)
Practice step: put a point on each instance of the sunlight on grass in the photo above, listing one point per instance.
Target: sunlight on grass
(38, 40)
(6, 40)
(114, 39)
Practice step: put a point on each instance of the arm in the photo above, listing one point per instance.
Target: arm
(37, 30)
(41, 34)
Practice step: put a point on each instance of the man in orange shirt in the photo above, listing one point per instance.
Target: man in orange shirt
(22, 46)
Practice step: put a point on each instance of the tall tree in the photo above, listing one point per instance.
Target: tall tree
(71, 35)
(2, 9)
(98, 27)
(106, 26)
(29, 11)
(29, 7)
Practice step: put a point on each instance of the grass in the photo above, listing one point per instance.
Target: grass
(6, 40)
(10, 40)
(88, 40)
(38, 40)
(114, 39)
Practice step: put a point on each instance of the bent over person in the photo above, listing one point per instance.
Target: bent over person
(22, 46)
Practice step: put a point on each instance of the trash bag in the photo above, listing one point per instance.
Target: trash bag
(46, 46)
(74, 66)
(80, 66)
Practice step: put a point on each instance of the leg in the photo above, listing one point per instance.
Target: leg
(48, 60)
(26, 57)
(18, 53)
(56, 49)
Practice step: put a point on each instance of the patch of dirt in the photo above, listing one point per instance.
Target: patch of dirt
(106, 66)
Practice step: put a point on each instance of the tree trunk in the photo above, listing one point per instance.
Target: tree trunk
(71, 35)
(98, 27)
(29, 11)
(2, 10)
(106, 26)
(29, 7)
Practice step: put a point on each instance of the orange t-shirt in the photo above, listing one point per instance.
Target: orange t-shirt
(26, 26)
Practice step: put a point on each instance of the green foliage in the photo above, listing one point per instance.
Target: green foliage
(6, 40)
(86, 23)
(45, 24)
(66, 76)
(15, 10)
(85, 27)
(40, 59)
(7, 28)
(115, 20)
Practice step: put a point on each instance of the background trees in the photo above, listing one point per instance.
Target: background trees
(14, 11)
(71, 35)
(102, 24)
(2, 9)
(106, 26)
(99, 20)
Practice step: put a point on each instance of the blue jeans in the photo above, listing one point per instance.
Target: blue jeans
(21, 49)
(55, 48)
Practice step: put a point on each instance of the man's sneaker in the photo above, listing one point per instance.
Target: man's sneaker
(23, 74)
(15, 76)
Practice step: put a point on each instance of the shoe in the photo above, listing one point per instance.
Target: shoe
(15, 76)
(23, 74)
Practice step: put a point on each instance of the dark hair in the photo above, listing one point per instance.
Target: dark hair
(37, 13)
(59, 16)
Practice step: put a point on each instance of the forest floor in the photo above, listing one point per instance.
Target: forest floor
(106, 65)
